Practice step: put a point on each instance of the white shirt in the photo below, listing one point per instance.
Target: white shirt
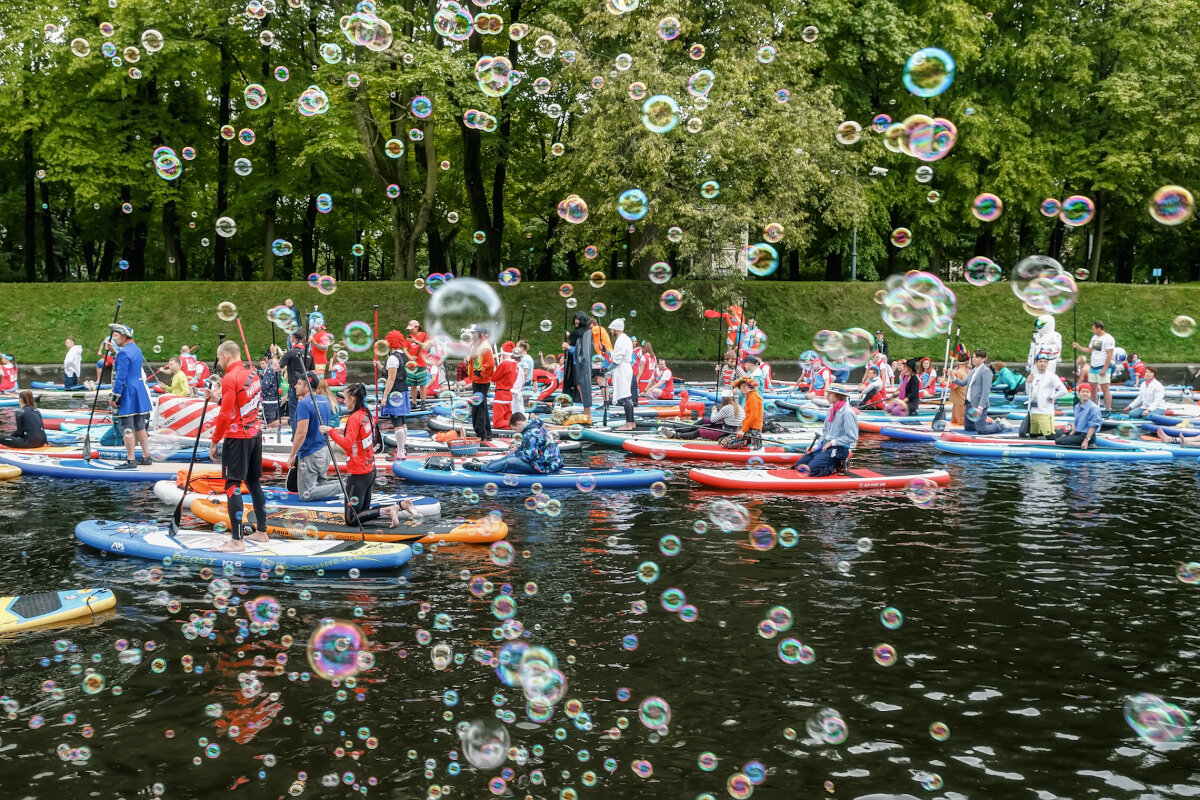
(1100, 346)
(1151, 396)
(1044, 389)
(622, 373)
(73, 361)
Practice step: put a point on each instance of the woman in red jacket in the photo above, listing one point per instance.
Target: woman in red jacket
(359, 441)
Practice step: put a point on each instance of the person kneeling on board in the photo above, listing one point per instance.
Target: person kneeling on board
(360, 440)
(1082, 432)
(750, 432)
(30, 431)
(537, 453)
(309, 455)
(828, 454)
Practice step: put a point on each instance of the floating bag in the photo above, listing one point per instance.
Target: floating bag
(443, 463)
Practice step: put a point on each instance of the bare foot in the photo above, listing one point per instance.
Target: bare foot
(393, 512)
(411, 508)
(1163, 435)
(627, 427)
(258, 536)
(232, 546)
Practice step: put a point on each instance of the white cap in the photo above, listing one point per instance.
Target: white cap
(617, 324)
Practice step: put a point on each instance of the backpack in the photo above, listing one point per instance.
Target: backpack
(602, 344)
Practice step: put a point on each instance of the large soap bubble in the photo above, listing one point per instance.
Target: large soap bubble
(459, 305)
(1043, 285)
(485, 743)
(917, 305)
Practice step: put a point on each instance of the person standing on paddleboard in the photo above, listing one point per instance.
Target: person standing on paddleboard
(481, 366)
(295, 366)
(622, 371)
(1101, 351)
(1043, 389)
(309, 455)
(241, 456)
(72, 364)
(129, 398)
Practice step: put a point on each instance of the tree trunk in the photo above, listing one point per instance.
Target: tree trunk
(48, 235)
(247, 265)
(793, 265)
(272, 170)
(89, 258)
(1098, 240)
(176, 266)
(107, 258)
(1123, 272)
(545, 268)
(307, 255)
(220, 250)
(1054, 249)
(429, 152)
(137, 254)
(268, 238)
(30, 211)
(833, 266)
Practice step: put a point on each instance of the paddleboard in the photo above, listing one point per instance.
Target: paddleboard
(566, 478)
(79, 469)
(200, 548)
(790, 480)
(36, 609)
(312, 523)
(1056, 453)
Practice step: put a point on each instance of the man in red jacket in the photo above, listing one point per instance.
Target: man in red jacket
(481, 366)
(505, 377)
(241, 457)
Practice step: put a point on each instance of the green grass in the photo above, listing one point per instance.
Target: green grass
(41, 315)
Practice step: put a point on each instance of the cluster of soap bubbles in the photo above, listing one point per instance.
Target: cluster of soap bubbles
(851, 347)
(1043, 285)
(452, 21)
(312, 101)
(827, 726)
(167, 164)
(917, 305)
(284, 318)
(367, 30)
(922, 137)
(495, 75)
(1155, 720)
(480, 120)
(573, 209)
(981, 271)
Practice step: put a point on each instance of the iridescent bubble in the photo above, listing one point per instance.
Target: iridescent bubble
(655, 713)
(810, 33)
(773, 232)
(597, 280)
(334, 648)
(1050, 207)
(670, 300)
(917, 305)
(660, 113)
(668, 28)
(922, 492)
(827, 726)
(1043, 285)
(633, 204)
(647, 572)
(1171, 205)
(1077, 210)
(739, 786)
(485, 743)
(573, 209)
(660, 272)
(880, 124)
(544, 46)
(885, 655)
(700, 83)
(1183, 326)
(782, 96)
(1189, 573)
(928, 72)
(848, 132)
(760, 259)
(891, 618)
(940, 731)
(696, 52)
(981, 271)
(675, 234)
(710, 189)
(255, 95)
(987, 207)
(901, 237)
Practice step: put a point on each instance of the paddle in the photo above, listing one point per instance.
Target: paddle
(249, 359)
(376, 359)
(939, 419)
(87, 434)
(789, 446)
(177, 516)
(521, 325)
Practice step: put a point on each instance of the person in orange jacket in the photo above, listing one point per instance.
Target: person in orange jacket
(750, 432)
(505, 378)
(481, 367)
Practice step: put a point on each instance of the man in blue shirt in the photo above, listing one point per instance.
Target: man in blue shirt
(129, 399)
(310, 454)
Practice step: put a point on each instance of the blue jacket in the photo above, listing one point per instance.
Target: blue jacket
(1087, 415)
(840, 428)
(127, 384)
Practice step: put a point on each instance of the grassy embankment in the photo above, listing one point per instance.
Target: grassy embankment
(41, 315)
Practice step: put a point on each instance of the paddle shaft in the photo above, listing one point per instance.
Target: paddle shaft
(940, 417)
(521, 325)
(249, 359)
(187, 482)
(376, 358)
(761, 438)
(333, 460)
(87, 434)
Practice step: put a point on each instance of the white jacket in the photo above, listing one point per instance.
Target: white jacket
(622, 371)
(1044, 390)
(1045, 340)
(1151, 397)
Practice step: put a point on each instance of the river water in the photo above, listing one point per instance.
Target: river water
(1035, 598)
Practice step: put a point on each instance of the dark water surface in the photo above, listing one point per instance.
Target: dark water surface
(1036, 597)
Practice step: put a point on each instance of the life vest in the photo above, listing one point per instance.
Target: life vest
(876, 399)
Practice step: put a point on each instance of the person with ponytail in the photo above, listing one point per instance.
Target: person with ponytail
(360, 440)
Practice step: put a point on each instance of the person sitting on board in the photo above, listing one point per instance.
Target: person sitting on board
(1137, 371)
(1082, 433)
(337, 369)
(30, 432)
(725, 418)
(241, 455)
(822, 378)
(1007, 381)
(1044, 389)
(1151, 397)
(662, 385)
(180, 386)
(909, 392)
(309, 455)
(828, 454)
(129, 398)
(927, 377)
(873, 395)
(360, 440)
(749, 433)
(979, 386)
(536, 454)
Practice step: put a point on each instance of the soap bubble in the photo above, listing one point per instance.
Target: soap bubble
(1077, 210)
(660, 113)
(458, 305)
(1183, 326)
(1171, 205)
(227, 311)
(917, 305)
(633, 204)
(760, 259)
(573, 209)
(987, 207)
(668, 28)
(1042, 284)
(1050, 207)
(809, 34)
(1155, 720)
(827, 726)
(334, 649)
(928, 72)
(848, 132)
(981, 271)
(901, 237)
(485, 743)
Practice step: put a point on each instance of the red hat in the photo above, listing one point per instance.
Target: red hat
(507, 347)
(395, 339)
(1083, 386)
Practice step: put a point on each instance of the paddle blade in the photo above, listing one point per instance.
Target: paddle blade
(710, 314)
(292, 482)
(939, 425)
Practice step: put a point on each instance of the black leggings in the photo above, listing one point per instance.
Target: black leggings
(481, 417)
(237, 509)
(627, 404)
(583, 385)
(358, 499)
(20, 441)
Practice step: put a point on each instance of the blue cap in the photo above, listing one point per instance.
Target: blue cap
(124, 330)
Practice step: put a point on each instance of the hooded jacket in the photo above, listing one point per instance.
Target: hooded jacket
(1045, 340)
